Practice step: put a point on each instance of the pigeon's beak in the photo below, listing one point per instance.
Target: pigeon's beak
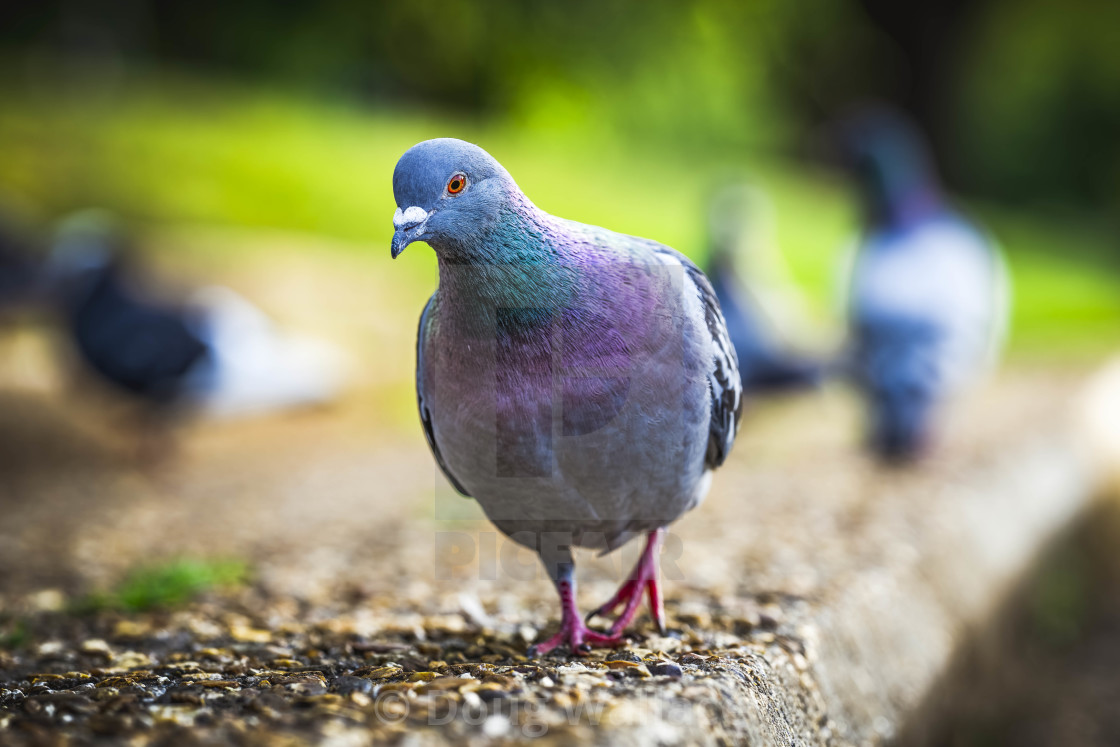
(408, 226)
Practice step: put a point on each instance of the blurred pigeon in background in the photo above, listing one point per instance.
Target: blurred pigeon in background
(928, 290)
(578, 382)
(738, 230)
(216, 354)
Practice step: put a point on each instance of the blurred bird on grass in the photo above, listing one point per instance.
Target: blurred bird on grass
(756, 293)
(929, 292)
(212, 354)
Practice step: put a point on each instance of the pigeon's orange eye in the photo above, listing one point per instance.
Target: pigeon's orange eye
(455, 186)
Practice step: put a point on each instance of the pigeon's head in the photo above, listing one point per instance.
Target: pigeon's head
(740, 222)
(890, 160)
(85, 246)
(447, 192)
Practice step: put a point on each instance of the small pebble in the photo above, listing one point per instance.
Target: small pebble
(488, 694)
(96, 646)
(665, 669)
(347, 684)
(495, 726)
(624, 656)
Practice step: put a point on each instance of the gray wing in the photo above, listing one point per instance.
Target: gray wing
(425, 414)
(723, 377)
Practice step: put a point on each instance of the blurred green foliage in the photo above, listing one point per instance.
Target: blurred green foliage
(167, 585)
(1022, 97)
(14, 635)
(690, 71)
(1039, 102)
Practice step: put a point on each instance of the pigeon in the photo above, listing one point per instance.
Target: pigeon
(579, 383)
(215, 354)
(928, 290)
(765, 365)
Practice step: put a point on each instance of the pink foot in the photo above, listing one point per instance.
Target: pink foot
(578, 636)
(573, 631)
(642, 579)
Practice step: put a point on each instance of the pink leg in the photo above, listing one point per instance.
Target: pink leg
(644, 577)
(573, 631)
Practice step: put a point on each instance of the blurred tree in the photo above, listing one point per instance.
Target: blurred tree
(929, 37)
(692, 70)
(1021, 97)
(1039, 113)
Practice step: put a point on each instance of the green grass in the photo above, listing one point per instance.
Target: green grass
(174, 150)
(1059, 603)
(15, 636)
(167, 585)
(1066, 286)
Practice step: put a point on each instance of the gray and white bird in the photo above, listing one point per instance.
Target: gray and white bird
(579, 383)
(740, 232)
(216, 355)
(928, 290)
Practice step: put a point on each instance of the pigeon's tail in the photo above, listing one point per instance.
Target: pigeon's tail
(255, 368)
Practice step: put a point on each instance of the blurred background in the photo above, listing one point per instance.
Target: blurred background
(252, 144)
(290, 119)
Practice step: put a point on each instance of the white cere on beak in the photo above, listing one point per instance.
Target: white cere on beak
(408, 217)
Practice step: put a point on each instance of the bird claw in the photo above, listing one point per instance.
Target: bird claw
(579, 638)
(622, 595)
(631, 595)
(643, 579)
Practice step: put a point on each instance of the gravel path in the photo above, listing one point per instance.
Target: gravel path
(381, 607)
